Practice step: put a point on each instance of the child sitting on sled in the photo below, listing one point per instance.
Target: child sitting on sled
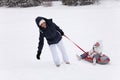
(95, 52)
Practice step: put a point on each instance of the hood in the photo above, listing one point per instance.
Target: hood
(38, 19)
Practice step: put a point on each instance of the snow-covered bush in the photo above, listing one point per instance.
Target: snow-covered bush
(70, 2)
(78, 2)
(47, 3)
(20, 3)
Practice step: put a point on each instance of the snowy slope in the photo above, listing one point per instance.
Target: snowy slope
(84, 25)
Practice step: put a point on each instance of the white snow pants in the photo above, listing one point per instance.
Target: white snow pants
(54, 52)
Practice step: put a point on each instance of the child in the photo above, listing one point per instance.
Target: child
(95, 52)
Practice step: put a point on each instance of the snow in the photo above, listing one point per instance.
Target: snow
(83, 24)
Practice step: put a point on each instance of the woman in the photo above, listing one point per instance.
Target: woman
(53, 35)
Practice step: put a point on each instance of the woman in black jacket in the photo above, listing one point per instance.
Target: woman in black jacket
(53, 35)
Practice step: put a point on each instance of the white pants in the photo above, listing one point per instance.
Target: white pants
(56, 58)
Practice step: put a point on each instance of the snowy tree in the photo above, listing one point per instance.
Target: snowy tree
(70, 2)
(78, 2)
(20, 3)
(47, 3)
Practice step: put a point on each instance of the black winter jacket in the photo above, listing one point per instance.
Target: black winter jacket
(52, 33)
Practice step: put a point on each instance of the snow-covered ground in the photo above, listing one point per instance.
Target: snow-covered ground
(83, 24)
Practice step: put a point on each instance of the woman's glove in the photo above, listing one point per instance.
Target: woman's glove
(38, 55)
(62, 33)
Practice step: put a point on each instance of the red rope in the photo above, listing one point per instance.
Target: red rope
(75, 44)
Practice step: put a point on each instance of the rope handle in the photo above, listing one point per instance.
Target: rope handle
(75, 44)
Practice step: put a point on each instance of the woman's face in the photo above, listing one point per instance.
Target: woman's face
(43, 25)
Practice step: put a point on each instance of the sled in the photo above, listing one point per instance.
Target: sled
(102, 60)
